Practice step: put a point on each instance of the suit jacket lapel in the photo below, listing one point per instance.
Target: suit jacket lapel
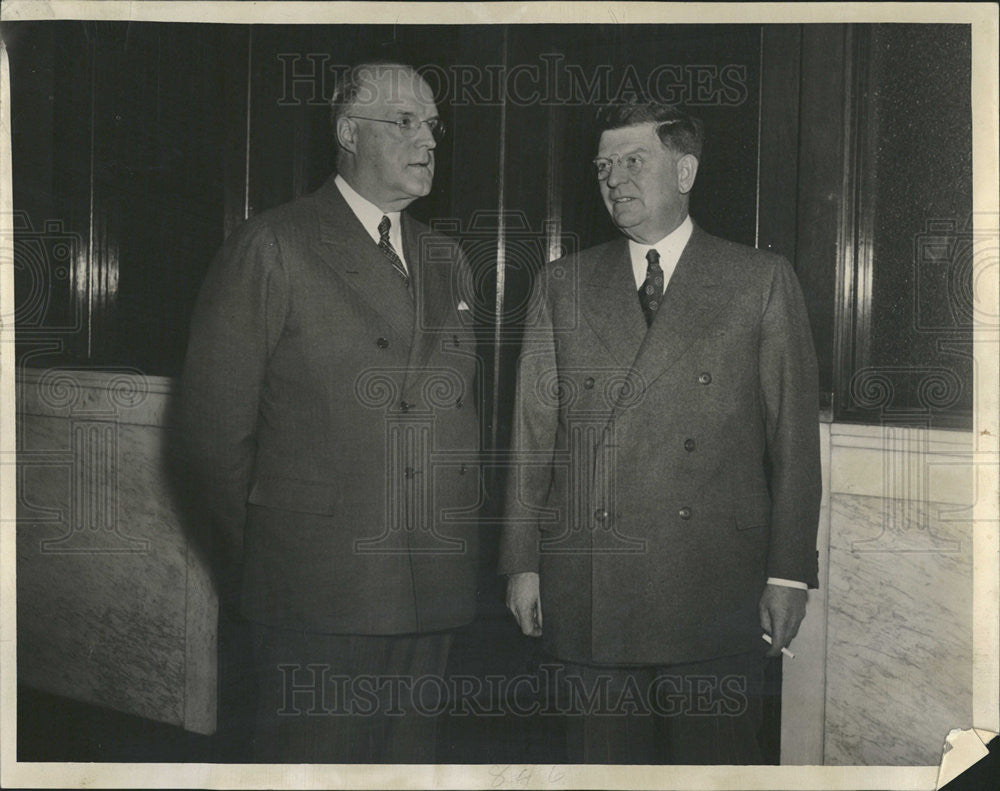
(695, 295)
(430, 297)
(611, 304)
(349, 249)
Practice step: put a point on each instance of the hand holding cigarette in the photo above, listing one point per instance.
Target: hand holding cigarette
(767, 639)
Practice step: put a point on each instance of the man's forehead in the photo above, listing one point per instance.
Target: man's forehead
(394, 87)
(638, 135)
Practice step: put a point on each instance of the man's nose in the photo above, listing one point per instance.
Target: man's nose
(425, 137)
(618, 175)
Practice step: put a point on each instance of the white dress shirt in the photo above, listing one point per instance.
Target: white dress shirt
(371, 215)
(670, 248)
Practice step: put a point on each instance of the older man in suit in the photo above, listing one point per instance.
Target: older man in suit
(329, 418)
(663, 508)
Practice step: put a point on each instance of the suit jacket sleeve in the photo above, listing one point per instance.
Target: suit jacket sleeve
(533, 441)
(238, 319)
(789, 386)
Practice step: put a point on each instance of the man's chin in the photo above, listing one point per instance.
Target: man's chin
(624, 219)
(623, 212)
(420, 186)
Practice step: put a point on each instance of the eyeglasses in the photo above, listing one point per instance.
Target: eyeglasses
(409, 125)
(603, 165)
(633, 162)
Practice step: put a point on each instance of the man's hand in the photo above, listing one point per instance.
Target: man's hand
(781, 611)
(523, 600)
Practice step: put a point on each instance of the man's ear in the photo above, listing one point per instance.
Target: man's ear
(687, 169)
(347, 134)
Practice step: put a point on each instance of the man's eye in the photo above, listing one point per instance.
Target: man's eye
(406, 123)
(633, 162)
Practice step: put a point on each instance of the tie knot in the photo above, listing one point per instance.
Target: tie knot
(653, 258)
(383, 228)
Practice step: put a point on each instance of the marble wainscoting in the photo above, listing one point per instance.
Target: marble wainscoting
(115, 605)
(899, 601)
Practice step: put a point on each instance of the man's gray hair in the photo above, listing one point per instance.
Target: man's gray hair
(355, 82)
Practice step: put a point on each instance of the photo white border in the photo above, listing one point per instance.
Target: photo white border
(986, 594)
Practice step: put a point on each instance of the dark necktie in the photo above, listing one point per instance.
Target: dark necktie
(386, 247)
(651, 292)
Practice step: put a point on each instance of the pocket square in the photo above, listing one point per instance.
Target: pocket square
(462, 305)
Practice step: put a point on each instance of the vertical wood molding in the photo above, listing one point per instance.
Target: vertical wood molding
(85, 285)
(852, 341)
(556, 123)
(501, 250)
(236, 163)
(819, 191)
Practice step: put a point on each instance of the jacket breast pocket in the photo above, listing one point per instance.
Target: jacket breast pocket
(752, 512)
(292, 494)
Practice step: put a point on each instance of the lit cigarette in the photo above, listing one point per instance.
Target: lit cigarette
(767, 639)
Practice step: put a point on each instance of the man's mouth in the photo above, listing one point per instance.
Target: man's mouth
(619, 201)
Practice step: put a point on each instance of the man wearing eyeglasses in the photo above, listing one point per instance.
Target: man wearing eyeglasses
(670, 379)
(329, 359)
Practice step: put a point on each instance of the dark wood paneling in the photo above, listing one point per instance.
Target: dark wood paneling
(904, 346)
(135, 146)
(819, 190)
(780, 86)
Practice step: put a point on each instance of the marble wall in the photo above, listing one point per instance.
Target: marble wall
(115, 605)
(899, 613)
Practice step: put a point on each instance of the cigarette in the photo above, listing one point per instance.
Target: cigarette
(767, 639)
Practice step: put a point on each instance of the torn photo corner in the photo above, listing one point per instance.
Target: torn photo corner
(962, 750)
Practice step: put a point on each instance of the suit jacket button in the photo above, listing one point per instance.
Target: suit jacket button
(458, 402)
(404, 406)
(689, 445)
(382, 343)
(588, 383)
(455, 341)
(705, 378)
(600, 515)
(684, 513)
(461, 470)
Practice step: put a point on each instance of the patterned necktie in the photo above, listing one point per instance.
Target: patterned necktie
(651, 293)
(386, 247)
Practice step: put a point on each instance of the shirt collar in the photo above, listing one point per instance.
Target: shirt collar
(368, 213)
(669, 247)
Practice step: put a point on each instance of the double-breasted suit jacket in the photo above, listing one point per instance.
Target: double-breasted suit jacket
(331, 422)
(662, 476)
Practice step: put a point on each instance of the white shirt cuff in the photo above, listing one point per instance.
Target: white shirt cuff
(787, 583)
